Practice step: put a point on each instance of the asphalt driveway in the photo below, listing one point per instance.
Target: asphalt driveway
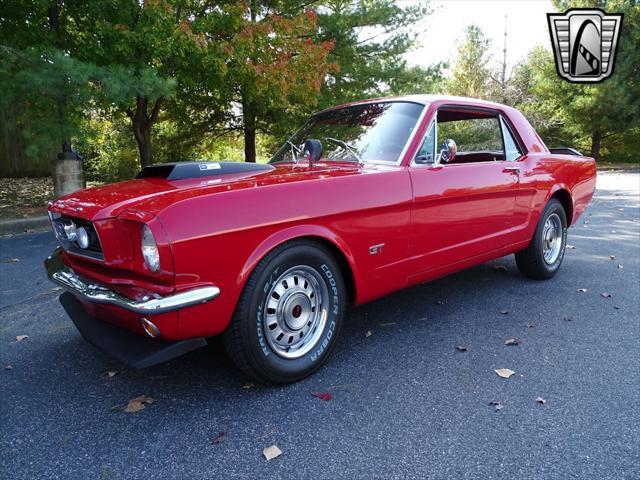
(405, 401)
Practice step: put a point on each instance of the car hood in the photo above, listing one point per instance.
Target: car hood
(149, 196)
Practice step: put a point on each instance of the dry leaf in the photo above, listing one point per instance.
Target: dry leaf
(138, 403)
(8, 367)
(504, 312)
(500, 268)
(111, 373)
(504, 372)
(541, 400)
(582, 290)
(271, 452)
(620, 266)
(571, 247)
(513, 342)
(461, 348)
(219, 438)
(606, 295)
(19, 338)
(322, 396)
(368, 334)
(531, 325)
(612, 257)
(567, 319)
(12, 260)
(496, 405)
(248, 386)
(439, 302)
(56, 289)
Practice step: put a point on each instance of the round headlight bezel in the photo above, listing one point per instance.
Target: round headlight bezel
(149, 248)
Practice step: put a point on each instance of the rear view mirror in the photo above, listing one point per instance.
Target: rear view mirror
(312, 150)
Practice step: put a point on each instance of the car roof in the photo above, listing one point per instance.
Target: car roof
(423, 99)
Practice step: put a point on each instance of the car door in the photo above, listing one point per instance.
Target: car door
(464, 208)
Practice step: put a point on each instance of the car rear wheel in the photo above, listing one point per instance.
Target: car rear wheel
(289, 314)
(543, 257)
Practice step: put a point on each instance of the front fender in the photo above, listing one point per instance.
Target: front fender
(292, 233)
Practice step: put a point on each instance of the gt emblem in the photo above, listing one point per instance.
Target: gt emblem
(375, 249)
(584, 43)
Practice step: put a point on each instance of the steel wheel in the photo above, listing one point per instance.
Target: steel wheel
(552, 238)
(296, 310)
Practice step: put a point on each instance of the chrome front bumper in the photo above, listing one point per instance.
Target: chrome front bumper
(64, 277)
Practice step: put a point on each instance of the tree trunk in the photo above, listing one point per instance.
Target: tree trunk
(141, 125)
(143, 138)
(596, 142)
(249, 126)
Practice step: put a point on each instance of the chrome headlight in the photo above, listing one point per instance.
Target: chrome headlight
(150, 250)
(82, 237)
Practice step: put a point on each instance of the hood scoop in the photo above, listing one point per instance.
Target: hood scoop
(186, 170)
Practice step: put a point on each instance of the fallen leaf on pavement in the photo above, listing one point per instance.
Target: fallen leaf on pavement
(138, 403)
(504, 372)
(531, 325)
(496, 405)
(271, 452)
(56, 289)
(620, 266)
(582, 290)
(612, 257)
(504, 312)
(11, 260)
(606, 295)
(571, 247)
(461, 348)
(19, 338)
(513, 342)
(219, 438)
(368, 334)
(248, 386)
(500, 268)
(541, 400)
(322, 396)
(8, 367)
(567, 319)
(439, 302)
(111, 373)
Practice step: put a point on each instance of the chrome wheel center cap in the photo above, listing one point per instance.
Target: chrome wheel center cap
(297, 309)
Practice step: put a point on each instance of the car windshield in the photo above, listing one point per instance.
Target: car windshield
(363, 133)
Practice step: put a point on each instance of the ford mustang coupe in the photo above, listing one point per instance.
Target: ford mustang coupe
(365, 199)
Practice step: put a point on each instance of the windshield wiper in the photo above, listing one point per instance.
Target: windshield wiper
(294, 150)
(350, 148)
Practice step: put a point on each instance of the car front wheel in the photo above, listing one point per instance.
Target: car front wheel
(289, 314)
(543, 257)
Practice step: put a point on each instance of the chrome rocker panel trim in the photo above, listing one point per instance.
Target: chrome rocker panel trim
(64, 277)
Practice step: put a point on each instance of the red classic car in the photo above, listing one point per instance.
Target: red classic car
(363, 200)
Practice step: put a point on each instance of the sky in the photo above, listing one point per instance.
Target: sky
(526, 27)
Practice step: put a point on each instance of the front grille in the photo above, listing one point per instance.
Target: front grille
(62, 224)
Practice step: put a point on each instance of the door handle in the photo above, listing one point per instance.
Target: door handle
(511, 169)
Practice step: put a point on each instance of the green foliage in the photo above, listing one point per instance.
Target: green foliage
(471, 75)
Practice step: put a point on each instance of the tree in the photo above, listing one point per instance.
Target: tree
(371, 38)
(275, 63)
(471, 74)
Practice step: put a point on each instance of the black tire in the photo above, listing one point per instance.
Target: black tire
(531, 261)
(251, 346)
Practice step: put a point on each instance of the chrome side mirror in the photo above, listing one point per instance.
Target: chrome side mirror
(448, 151)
